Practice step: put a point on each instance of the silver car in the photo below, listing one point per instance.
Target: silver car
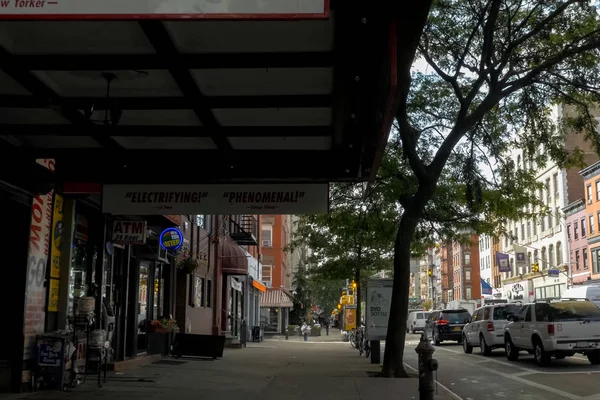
(486, 327)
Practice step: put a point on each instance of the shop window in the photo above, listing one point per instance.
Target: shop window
(201, 221)
(208, 293)
(595, 263)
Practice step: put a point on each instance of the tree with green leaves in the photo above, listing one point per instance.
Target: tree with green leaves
(494, 70)
(352, 241)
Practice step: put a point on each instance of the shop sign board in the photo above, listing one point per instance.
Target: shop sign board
(519, 291)
(163, 9)
(234, 199)
(379, 298)
(129, 232)
(349, 318)
(171, 239)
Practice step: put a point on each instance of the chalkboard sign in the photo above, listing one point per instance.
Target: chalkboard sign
(50, 353)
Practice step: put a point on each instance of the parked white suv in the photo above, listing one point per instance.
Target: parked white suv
(486, 328)
(554, 329)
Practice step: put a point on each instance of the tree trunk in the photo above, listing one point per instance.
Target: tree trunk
(393, 361)
(357, 295)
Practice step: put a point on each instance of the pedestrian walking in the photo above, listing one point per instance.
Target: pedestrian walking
(305, 329)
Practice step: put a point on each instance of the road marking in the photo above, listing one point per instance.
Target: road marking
(524, 381)
(450, 392)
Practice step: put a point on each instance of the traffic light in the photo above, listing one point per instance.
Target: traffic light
(535, 267)
(429, 272)
(339, 306)
(156, 286)
(353, 285)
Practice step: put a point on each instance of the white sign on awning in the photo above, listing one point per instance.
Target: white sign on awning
(215, 199)
(129, 232)
(157, 9)
(379, 298)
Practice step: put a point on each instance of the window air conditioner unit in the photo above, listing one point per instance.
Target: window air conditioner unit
(266, 242)
(268, 284)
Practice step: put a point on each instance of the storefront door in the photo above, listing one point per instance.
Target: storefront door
(143, 305)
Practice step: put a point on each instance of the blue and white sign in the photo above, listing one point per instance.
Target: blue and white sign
(554, 273)
(171, 239)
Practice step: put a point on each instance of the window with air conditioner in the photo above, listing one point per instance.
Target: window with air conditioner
(267, 271)
(266, 237)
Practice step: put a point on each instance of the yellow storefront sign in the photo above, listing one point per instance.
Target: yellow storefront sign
(57, 236)
(53, 295)
(349, 319)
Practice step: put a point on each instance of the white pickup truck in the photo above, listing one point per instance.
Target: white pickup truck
(554, 329)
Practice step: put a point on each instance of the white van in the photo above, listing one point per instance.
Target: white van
(416, 321)
(590, 292)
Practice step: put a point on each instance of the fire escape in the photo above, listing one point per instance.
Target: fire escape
(243, 229)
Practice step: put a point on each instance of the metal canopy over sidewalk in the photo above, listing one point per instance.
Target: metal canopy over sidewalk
(230, 97)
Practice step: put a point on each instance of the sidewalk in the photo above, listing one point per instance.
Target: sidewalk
(271, 370)
(335, 335)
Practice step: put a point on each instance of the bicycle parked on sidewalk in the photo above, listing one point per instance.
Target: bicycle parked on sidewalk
(358, 340)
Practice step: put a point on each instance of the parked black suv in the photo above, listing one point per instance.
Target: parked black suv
(446, 325)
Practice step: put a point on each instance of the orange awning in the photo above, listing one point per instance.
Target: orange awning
(259, 286)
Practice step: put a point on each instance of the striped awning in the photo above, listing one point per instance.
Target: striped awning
(275, 298)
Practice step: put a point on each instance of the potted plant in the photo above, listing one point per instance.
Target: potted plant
(163, 325)
(188, 265)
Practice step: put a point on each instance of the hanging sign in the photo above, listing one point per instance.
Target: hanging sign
(129, 232)
(171, 239)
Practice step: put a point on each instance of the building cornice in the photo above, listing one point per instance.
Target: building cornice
(590, 171)
(574, 207)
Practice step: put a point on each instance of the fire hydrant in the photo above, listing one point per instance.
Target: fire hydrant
(427, 366)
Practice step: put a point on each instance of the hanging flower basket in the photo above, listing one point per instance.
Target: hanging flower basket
(163, 325)
(188, 265)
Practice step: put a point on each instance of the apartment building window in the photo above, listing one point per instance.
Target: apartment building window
(557, 217)
(583, 232)
(597, 190)
(544, 258)
(551, 256)
(467, 258)
(559, 257)
(556, 191)
(569, 232)
(534, 227)
(585, 259)
(468, 293)
(542, 224)
(516, 236)
(467, 275)
(522, 231)
(575, 230)
(528, 229)
(577, 266)
(266, 237)
(267, 271)
(599, 218)
(591, 227)
(548, 192)
(589, 194)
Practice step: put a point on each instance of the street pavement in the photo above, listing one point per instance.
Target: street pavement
(329, 369)
(473, 376)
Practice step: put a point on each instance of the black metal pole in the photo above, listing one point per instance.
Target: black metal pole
(375, 352)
